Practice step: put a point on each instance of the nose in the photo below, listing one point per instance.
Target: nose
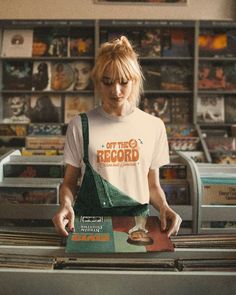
(116, 90)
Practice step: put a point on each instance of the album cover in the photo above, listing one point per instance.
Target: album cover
(82, 75)
(181, 110)
(81, 43)
(28, 195)
(58, 45)
(17, 43)
(45, 108)
(75, 104)
(176, 192)
(230, 109)
(41, 42)
(62, 76)
(123, 234)
(150, 43)
(181, 130)
(213, 76)
(152, 74)
(230, 74)
(45, 142)
(39, 152)
(173, 171)
(218, 191)
(218, 143)
(210, 109)
(224, 157)
(231, 44)
(50, 42)
(212, 43)
(157, 106)
(16, 108)
(32, 170)
(219, 224)
(17, 75)
(12, 142)
(41, 75)
(13, 129)
(176, 77)
(44, 129)
(177, 43)
(183, 143)
(196, 156)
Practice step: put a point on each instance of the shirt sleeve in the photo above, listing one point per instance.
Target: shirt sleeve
(73, 151)
(161, 148)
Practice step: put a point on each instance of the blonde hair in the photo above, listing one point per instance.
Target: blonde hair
(120, 58)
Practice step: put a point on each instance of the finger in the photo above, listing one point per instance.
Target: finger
(174, 228)
(163, 220)
(60, 225)
(71, 223)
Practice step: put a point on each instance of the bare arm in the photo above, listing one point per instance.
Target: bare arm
(158, 201)
(65, 214)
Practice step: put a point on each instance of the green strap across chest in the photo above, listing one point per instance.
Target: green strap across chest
(85, 130)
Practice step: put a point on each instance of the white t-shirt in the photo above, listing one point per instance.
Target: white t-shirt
(121, 149)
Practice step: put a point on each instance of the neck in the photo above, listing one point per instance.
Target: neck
(118, 111)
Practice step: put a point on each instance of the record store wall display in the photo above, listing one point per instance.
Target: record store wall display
(45, 68)
(189, 69)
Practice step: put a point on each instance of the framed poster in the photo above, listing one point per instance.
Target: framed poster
(169, 2)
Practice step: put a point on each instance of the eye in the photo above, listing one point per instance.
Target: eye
(107, 81)
(124, 82)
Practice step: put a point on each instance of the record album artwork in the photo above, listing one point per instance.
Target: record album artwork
(123, 234)
(45, 108)
(16, 108)
(62, 76)
(41, 75)
(17, 43)
(75, 104)
(210, 108)
(17, 75)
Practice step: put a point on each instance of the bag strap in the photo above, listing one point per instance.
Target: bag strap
(85, 129)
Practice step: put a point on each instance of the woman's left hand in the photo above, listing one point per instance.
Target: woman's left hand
(167, 214)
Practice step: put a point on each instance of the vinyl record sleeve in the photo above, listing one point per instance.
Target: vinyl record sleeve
(98, 234)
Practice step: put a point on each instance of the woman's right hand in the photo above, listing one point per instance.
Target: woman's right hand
(64, 220)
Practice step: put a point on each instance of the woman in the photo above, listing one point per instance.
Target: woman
(120, 156)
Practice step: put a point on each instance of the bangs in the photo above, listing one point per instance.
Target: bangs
(120, 70)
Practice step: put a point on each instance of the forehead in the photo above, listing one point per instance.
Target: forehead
(115, 72)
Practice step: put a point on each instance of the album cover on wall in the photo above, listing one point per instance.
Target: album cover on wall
(210, 109)
(41, 75)
(45, 108)
(176, 76)
(16, 108)
(17, 75)
(213, 76)
(150, 43)
(62, 76)
(181, 110)
(212, 43)
(157, 106)
(230, 109)
(82, 75)
(17, 43)
(13, 130)
(177, 42)
(81, 43)
(152, 74)
(50, 42)
(76, 104)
